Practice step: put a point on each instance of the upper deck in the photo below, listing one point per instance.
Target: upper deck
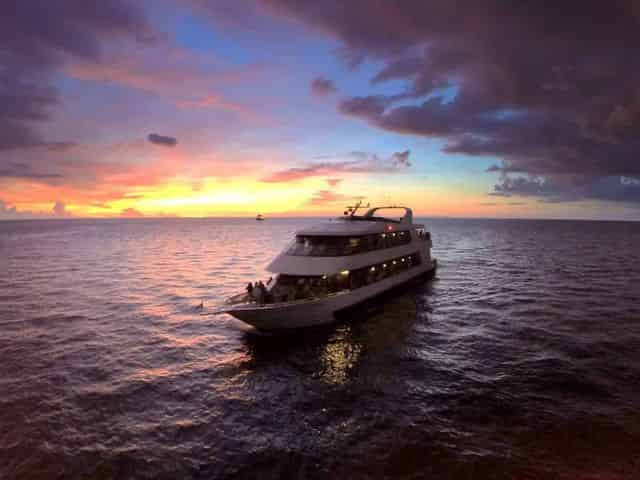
(349, 243)
(369, 223)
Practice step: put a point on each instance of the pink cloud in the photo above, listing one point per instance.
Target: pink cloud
(131, 213)
(60, 209)
(364, 162)
(183, 78)
(217, 102)
(327, 197)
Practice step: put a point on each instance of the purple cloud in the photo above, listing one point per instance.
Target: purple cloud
(539, 86)
(322, 87)
(162, 140)
(36, 38)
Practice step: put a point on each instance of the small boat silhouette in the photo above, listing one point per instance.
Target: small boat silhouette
(259, 217)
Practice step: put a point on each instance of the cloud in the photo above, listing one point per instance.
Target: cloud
(59, 209)
(6, 210)
(131, 213)
(162, 140)
(333, 182)
(543, 91)
(401, 159)
(36, 38)
(322, 87)
(188, 79)
(327, 197)
(568, 188)
(100, 205)
(361, 162)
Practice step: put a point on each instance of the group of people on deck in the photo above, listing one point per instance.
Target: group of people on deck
(284, 291)
(257, 292)
(288, 288)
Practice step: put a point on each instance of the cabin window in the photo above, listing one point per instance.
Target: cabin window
(337, 246)
(288, 288)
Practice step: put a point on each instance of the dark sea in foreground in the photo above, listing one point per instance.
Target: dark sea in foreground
(520, 360)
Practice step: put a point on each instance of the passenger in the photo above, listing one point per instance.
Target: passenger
(249, 288)
(262, 292)
(255, 292)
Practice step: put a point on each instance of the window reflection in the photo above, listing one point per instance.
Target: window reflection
(288, 288)
(338, 246)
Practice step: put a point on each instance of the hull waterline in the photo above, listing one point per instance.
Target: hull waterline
(321, 311)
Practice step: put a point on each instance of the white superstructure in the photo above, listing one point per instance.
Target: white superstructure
(335, 265)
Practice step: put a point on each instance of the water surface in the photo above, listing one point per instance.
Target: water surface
(519, 361)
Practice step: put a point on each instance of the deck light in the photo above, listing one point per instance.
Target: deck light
(344, 272)
(403, 259)
(394, 262)
(389, 227)
(384, 265)
(373, 269)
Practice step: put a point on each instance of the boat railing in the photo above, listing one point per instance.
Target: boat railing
(245, 299)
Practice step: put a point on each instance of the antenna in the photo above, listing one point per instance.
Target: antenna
(351, 210)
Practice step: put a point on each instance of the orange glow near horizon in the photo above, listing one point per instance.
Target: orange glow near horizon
(243, 196)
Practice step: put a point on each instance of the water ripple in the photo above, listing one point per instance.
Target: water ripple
(518, 361)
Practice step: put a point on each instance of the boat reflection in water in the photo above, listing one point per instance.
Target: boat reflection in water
(362, 343)
(334, 266)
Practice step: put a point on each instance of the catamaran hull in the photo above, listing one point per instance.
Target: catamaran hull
(320, 311)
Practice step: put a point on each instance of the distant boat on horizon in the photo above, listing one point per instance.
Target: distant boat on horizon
(259, 217)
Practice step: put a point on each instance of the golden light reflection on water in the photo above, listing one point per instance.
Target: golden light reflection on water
(339, 356)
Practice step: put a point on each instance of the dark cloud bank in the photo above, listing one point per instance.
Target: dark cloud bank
(36, 37)
(551, 88)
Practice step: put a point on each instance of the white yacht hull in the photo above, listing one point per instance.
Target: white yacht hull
(319, 311)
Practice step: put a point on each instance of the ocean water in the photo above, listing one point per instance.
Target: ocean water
(520, 360)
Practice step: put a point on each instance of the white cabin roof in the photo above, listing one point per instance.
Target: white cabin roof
(345, 227)
(361, 225)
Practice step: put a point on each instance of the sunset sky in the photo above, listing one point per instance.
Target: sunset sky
(234, 107)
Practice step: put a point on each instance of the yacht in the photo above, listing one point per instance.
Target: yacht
(336, 265)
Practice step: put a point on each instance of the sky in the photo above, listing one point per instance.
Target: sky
(192, 108)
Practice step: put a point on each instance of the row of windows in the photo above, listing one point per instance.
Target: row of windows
(294, 287)
(329, 246)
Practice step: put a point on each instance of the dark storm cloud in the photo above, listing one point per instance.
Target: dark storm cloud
(162, 140)
(553, 88)
(321, 87)
(35, 38)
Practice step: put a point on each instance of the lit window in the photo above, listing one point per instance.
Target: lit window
(344, 272)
